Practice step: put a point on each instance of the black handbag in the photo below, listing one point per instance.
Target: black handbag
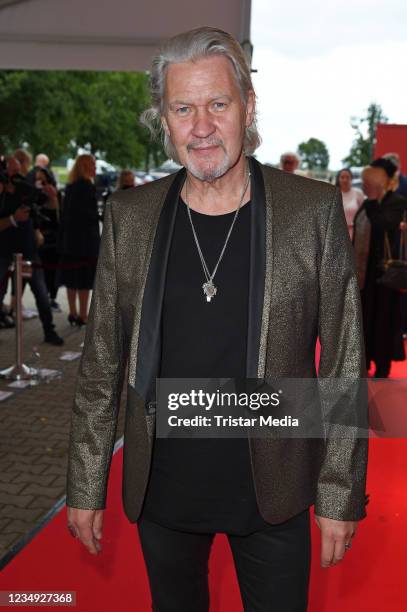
(395, 270)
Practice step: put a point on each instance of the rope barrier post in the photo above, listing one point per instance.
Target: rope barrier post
(19, 371)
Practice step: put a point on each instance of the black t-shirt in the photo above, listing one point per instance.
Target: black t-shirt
(205, 485)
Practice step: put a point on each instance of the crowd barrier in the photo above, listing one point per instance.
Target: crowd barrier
(23, 269)
(19, 370)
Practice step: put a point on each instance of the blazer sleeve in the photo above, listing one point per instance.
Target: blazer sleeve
(342, 377)
(99, 384)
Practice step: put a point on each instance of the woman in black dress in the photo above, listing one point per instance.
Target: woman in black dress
(79, 237)
(381, 213)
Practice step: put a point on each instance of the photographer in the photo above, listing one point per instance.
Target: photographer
(21, 235)
(49, 226)
(21, 214)
(25, 159)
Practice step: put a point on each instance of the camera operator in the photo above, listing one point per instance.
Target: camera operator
(23, 236)
(49, 226)
(25, 159)
(21, 214)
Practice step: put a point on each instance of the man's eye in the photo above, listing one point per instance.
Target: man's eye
(182, 110)
(219, 105)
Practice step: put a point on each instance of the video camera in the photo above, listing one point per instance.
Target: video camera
(23, 194)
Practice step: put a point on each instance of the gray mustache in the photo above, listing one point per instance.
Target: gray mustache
(197, 144)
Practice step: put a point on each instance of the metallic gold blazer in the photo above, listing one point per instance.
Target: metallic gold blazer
(302, 286)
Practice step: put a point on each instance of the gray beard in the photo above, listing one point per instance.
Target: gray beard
(211, 173)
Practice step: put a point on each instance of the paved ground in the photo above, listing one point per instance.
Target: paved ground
(34, 426)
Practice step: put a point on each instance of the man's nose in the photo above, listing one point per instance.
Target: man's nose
(203, 124)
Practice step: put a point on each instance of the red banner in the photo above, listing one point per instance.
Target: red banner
(392, 138)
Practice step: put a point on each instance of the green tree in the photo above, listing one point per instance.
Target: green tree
(57, 111)
(110, 105)
(362, 149)
(37, 110)
(314, 154)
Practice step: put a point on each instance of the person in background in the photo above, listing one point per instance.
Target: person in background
(25, 159)
(126, 180)
(401, 179)
(79, 237)
(382, 212)
(41, 161)
(23, 236)
(289, 162)
(44, 180)
(49, 229)
(352, 198)
(20, 214)
(401, 189)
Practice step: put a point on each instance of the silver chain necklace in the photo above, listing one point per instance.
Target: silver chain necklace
(208, 287)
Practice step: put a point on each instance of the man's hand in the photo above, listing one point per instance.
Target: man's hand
(52, 194)
(39, 238)
(87, 526)
(22, 213)
(334, 536)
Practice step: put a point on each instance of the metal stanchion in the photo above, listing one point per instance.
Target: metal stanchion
(20, 371)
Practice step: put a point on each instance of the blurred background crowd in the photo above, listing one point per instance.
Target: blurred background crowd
(57, 227)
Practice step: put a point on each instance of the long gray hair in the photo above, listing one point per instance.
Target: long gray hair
(189, 47)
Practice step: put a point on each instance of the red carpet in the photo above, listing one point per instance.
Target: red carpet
(372, 578)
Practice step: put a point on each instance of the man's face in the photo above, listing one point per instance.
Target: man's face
(205, 115)
(289, 163)
(128, 180)
(374, 183)
(40, 178)
(42, 161)
(345, 181)
(13, 167)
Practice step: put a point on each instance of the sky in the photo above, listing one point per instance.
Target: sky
(320, 63)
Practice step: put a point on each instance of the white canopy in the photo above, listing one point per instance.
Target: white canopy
(102, 35)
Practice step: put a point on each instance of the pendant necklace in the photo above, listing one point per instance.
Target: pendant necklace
(208, 287)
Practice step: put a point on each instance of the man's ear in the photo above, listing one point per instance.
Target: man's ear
(165, 125)
(250, 108)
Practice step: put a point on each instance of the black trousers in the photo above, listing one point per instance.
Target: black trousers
(272, 566)
(39, 289)
(50, 257)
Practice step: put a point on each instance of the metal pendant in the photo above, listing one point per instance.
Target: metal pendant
(209, 290)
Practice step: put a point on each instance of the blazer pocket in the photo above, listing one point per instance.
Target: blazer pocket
(139, 409)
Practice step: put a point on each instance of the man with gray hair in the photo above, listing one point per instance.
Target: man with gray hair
(289, 161)
(229, 269)
(42, 161)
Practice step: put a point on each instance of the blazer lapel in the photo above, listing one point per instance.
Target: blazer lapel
(260, 273)
(149, 337)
